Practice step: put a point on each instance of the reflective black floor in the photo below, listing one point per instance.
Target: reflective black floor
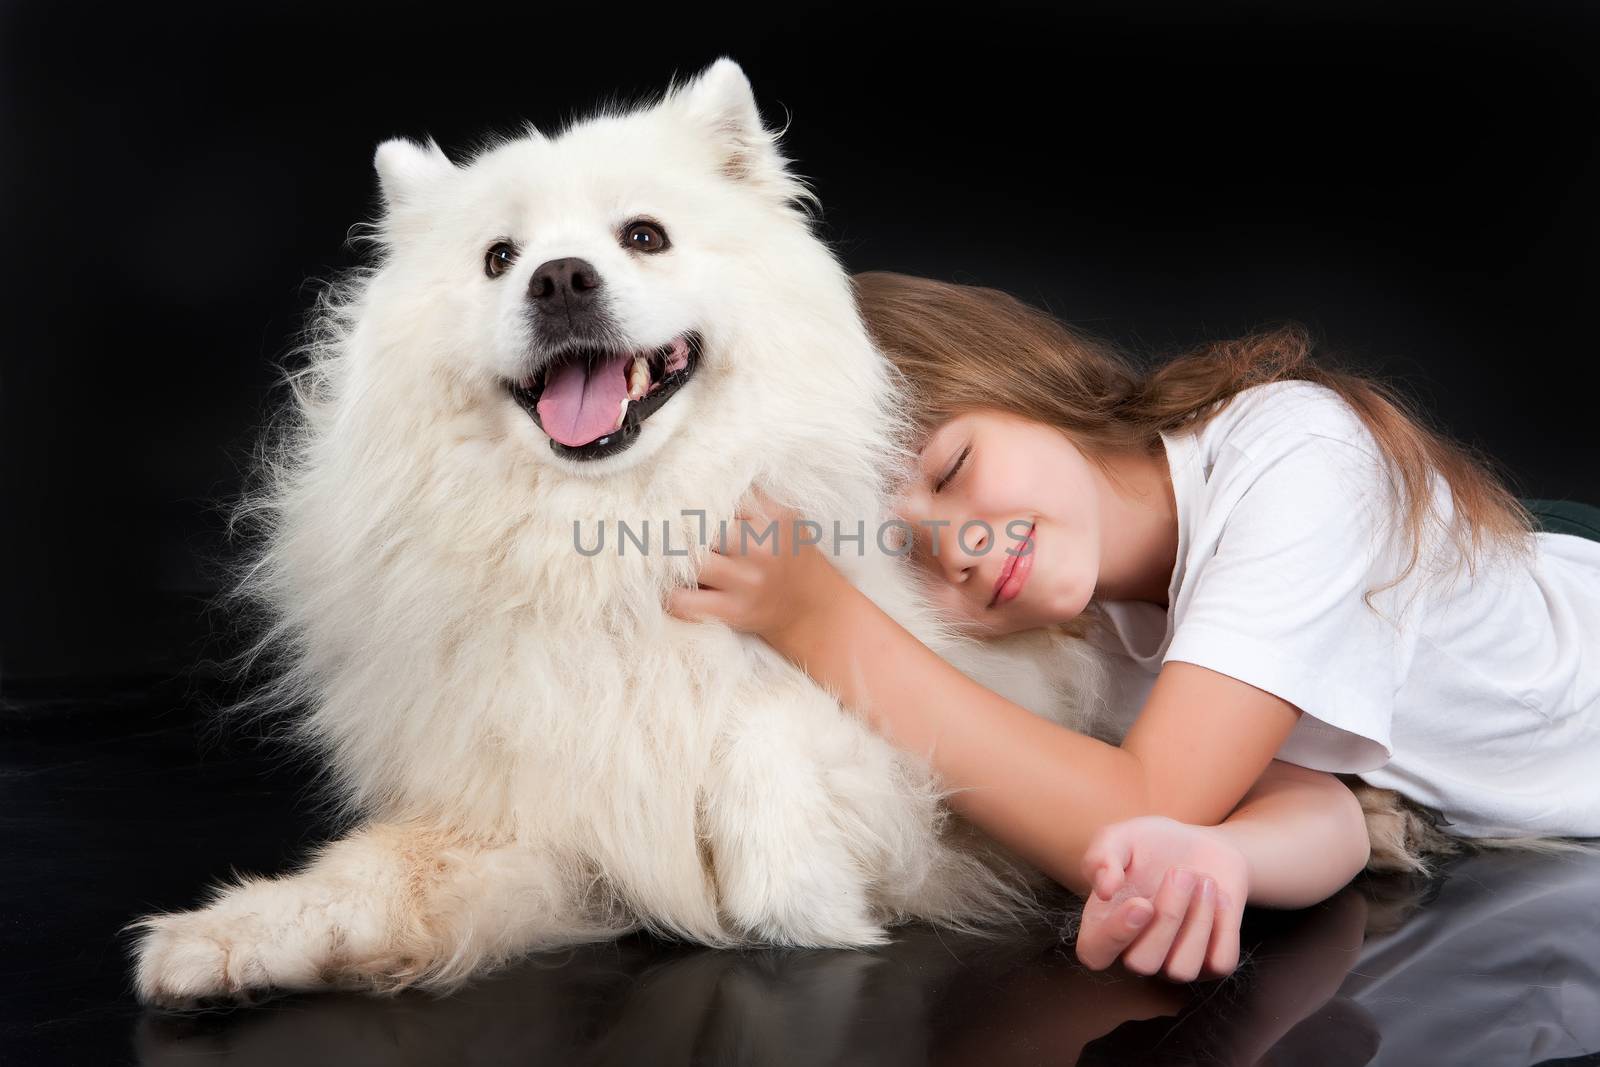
(115, 803)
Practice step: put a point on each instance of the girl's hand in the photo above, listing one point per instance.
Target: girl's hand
(760, 588)
(1167, 897)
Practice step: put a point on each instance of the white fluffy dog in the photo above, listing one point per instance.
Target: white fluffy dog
(629, 323)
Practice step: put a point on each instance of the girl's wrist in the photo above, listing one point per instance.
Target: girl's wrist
(824, 595)
(1230, 838)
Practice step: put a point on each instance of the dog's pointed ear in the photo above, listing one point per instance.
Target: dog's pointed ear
(406, 170)
(720, 101)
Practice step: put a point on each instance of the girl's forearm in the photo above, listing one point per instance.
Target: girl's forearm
(1041, 789)
(1045, 790)
(1303, 834)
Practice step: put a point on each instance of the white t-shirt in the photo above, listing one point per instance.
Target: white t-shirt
(1482, 702)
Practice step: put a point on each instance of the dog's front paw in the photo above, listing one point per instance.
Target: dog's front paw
(190, 957)
(186, 958)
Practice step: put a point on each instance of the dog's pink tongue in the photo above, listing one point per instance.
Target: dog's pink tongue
(579, 405)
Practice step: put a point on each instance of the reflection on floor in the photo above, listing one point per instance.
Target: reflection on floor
(116, 803)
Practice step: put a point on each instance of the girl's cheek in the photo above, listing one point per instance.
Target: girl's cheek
(1009, 486)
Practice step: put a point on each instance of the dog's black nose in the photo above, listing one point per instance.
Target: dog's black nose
(570, 283)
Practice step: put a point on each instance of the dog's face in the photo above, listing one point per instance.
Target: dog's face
(588, 284)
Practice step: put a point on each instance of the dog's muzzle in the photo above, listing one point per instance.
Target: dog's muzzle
(590, 402)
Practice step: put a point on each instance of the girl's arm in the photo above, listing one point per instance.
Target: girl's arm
(1297, 838)
(1303, 834)
(1200, 743)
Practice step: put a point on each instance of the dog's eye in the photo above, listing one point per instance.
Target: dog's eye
(499, 258)
(643, 236)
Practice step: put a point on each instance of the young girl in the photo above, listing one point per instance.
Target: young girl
(1297, 576)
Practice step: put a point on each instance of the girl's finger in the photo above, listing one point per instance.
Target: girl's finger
(743, 533)
(1222, 956)
(1105, 862)
(757, 507)
(719, 572)
(1149, 950)
(762, 504)
(680, 606)
(1188, 953)
(1099, 944)
(697, 605)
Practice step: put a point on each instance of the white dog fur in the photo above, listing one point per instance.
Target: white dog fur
(528, 750)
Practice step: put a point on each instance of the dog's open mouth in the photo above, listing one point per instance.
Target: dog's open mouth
(590, 402)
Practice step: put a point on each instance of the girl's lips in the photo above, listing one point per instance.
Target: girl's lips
(1016, 571)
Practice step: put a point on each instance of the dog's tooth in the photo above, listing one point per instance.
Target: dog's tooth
(638, 379)
(622, 413)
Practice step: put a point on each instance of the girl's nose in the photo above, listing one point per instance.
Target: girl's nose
(959, 552)
(938, 539)
(957, 569)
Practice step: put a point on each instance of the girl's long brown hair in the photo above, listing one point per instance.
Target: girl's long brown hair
(960, 348)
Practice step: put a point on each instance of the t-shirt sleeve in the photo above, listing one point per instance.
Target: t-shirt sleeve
(1279, 605)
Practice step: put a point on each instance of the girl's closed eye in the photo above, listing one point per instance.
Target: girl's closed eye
(960, 459)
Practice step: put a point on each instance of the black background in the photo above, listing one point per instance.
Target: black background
(1417, 184)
